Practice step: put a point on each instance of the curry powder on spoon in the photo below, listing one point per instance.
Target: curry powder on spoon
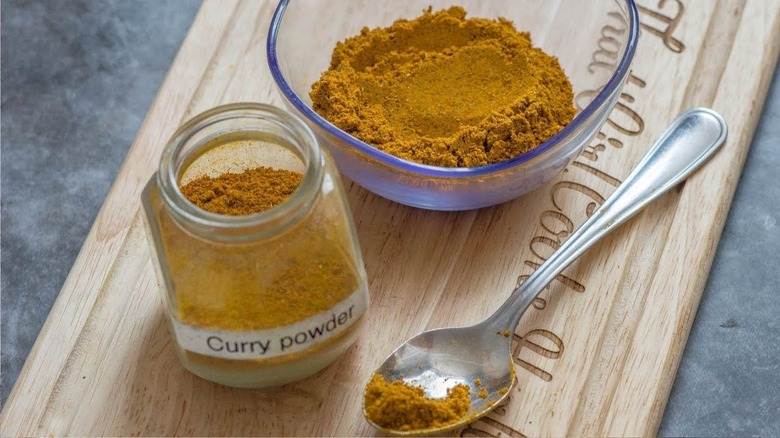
(399, 406)
(444, 90)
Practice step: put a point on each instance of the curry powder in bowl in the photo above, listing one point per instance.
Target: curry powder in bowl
(438, 111)
(444, 90)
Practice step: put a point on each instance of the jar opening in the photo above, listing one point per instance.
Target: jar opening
(237, 152)
(233, 139)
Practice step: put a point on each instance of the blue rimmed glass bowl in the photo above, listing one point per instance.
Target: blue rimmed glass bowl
(594, 41)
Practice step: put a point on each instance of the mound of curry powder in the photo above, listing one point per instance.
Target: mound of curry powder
(445, 90)
(238, 194)
(399, 406)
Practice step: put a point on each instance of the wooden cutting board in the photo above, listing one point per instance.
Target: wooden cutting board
(596, 355)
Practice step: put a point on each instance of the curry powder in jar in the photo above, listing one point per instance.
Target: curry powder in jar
(259, 264)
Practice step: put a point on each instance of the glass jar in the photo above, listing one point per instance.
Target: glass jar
(261, 299)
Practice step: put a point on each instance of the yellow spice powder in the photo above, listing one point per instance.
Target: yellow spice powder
(238, 194)
(399, 406)
(241, 287)
(445, 90)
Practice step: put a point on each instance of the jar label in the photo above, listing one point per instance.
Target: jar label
(277, 341)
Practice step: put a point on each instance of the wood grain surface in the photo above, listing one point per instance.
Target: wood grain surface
(596, 355)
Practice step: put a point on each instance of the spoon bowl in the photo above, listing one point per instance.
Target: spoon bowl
(436, 360)
(439, 359)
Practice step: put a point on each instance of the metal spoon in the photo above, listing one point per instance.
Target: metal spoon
(441, 358)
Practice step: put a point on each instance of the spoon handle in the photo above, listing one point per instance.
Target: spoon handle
(687, 143)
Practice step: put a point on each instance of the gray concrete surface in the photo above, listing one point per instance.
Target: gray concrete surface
(77, 79)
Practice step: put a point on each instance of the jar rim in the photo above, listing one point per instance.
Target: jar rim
(268, 118)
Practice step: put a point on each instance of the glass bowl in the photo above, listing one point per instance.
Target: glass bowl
(594, 42)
